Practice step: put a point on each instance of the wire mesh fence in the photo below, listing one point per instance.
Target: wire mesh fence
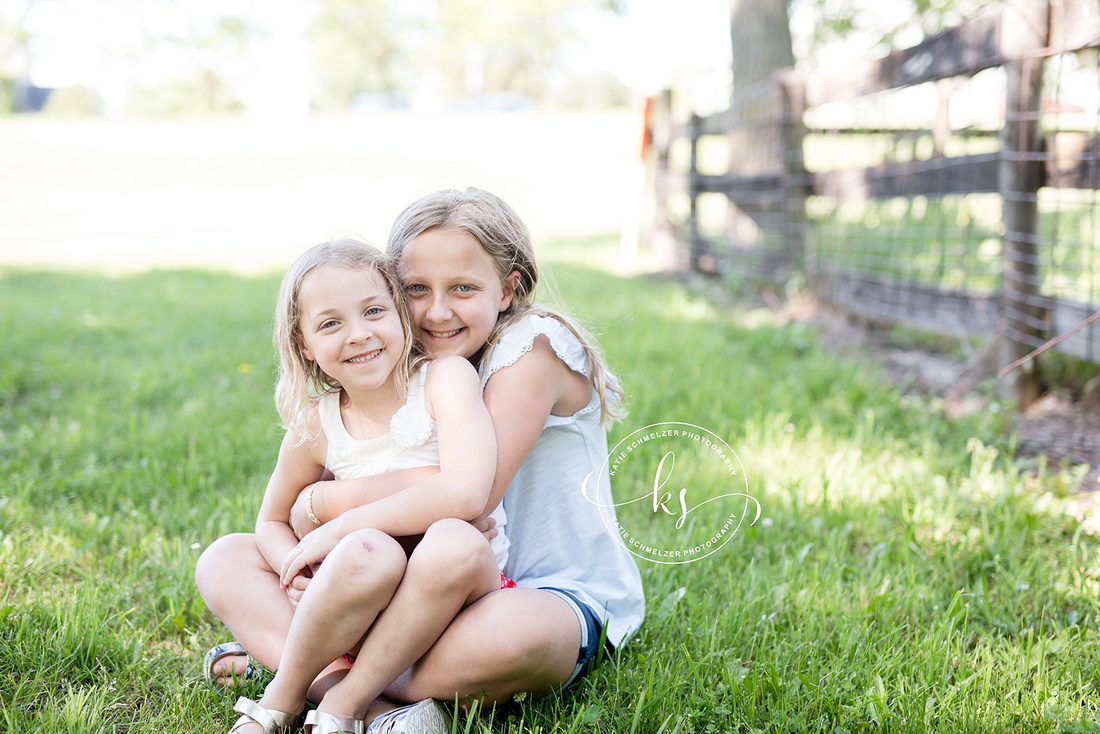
(953, 186)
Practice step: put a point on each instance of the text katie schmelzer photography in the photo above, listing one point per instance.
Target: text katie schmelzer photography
(664, 474)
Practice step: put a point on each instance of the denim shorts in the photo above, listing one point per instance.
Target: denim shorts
(591, 652)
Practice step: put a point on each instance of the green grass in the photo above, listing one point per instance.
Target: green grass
(905, 575)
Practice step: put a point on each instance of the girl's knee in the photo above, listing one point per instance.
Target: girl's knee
(366, 554)
(223, 558)
(451, 532)
(451, 548)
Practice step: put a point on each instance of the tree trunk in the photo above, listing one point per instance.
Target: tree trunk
(760, 35)
(760, 39)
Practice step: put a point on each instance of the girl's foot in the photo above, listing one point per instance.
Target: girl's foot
(269, 721)
(229, 664)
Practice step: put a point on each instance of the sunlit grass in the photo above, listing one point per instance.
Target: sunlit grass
(904, 574)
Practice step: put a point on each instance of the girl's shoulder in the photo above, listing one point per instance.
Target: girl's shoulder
(519, 339)
(447, 378)
(444, 371)
(308, 429)
(441, 367)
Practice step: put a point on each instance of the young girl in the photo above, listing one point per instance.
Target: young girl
(467, 262)
(354, 401)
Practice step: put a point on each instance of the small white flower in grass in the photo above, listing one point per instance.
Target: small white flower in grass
(411, 426)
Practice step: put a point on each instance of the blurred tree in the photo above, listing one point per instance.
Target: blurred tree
(15, 53)
(364, 46)
(871, 28)
(592, 92)
(73, 102)
(453, 48)
(212, 47)
(502, 46)
(879, 27)
(760, 35)
(201, 92)
(760, 39)
(14, 36)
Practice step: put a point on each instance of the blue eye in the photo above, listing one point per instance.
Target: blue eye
(465, 289)
(416, 288)
(375, 311)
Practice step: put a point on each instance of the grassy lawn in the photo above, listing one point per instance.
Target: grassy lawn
(905, 573)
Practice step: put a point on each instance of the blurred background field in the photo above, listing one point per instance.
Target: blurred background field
(233, 134)
(249, 195)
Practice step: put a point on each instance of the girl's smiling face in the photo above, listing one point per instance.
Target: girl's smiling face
(350, 327)
(454, 291)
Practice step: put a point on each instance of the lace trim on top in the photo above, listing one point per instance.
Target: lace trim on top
(520, 339)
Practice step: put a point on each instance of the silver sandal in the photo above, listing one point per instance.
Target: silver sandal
(273, 722)
(253, 671)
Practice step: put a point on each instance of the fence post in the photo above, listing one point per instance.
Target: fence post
(701, 256)
(1024, 33)
(663, 238)
(792, 90)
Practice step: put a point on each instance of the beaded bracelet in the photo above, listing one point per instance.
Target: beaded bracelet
(309, 505)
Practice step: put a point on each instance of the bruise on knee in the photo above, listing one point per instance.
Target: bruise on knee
(366, 552)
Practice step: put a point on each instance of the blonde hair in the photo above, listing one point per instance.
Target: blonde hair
(505, 238)
(300, 380)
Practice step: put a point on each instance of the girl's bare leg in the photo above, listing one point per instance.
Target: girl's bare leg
(512, 641)
(507, 642)
(451, 567)
(355, 583)
(243, 592)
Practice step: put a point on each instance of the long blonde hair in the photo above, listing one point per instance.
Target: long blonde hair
(300, 380)
(505, 238)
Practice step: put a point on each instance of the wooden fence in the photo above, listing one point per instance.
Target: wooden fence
(952, 186)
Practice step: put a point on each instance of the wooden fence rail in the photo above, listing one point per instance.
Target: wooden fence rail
(902, 191)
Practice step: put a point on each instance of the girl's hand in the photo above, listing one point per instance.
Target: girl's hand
(487, 526)
(297, 587)
(310, 549)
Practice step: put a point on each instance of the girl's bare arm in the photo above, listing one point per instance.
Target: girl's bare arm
(520, 398)
(296, 467)
(334, 497)
(460, 488)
